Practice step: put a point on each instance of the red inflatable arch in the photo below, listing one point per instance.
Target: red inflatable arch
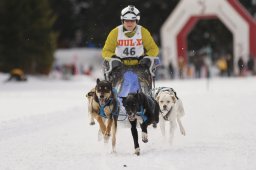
(188, 12)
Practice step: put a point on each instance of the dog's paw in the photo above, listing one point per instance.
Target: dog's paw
(106, 138)
(92, 123)
(154, 125)
(137, 151)
(182, 131)
(144, 137)
(113, 151)
(145, 140)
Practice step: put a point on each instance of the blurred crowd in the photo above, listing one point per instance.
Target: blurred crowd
(202, 66)
(198, 66)
(66, 71)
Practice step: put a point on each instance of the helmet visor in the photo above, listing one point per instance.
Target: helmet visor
(129, 16)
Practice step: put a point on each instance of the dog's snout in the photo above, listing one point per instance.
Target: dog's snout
(164, 106)
(129, 112)
(101, 96)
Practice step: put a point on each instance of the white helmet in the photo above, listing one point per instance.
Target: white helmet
(130, 13)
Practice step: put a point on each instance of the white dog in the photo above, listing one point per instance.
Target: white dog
(171, 110)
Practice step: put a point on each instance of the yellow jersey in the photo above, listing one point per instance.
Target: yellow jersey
(129, 44)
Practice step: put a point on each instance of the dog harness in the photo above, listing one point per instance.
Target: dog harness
(165, 89)
(102, 113)
(168, 89)
(167, 114)
(142, 115)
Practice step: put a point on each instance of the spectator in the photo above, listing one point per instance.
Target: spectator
(229, 65)
(240, 65)
(181, 65)
(222, 65)
(88, 71)
(207, 64)
(250, 65)
(171, 70)
(198, 62)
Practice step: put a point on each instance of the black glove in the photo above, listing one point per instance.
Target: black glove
(141, 57)
(114, 56)
(116, 63)
(145, 62)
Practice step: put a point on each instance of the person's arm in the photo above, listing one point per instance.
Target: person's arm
(150, 46)
(110, 45)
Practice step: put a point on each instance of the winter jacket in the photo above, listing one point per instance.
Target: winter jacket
(111, 43)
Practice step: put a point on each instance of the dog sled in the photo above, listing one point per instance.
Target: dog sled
(130, 78)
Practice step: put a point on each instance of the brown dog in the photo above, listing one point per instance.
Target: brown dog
(103, 104)
(90, 96)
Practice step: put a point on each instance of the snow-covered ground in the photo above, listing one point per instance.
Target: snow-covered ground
(44, 125)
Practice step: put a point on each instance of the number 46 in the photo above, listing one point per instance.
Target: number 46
(130, 52)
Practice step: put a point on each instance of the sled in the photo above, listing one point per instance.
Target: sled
(131, 79)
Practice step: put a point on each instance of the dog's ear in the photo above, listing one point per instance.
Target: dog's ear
(98, 80)
(157, 98)
(175, 93)
(89, 94)
(123, 100)
(174, 99)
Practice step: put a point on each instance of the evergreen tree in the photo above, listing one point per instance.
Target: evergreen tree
(96, 18)
(27, 40)
(66, 22)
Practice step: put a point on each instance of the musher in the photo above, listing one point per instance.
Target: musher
(129, 43)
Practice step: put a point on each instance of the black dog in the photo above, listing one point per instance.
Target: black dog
(143, 108)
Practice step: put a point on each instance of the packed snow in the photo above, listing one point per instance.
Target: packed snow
(44, 125)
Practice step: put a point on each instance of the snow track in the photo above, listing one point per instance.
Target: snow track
(44, 126)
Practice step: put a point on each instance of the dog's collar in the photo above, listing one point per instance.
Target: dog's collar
(109, 101)
(167, 114)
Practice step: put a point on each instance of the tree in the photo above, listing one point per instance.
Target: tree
(66, 22)
(27, 40)
(95, 19)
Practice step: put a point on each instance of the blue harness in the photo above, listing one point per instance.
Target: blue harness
(102, 113)
(142, 114)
